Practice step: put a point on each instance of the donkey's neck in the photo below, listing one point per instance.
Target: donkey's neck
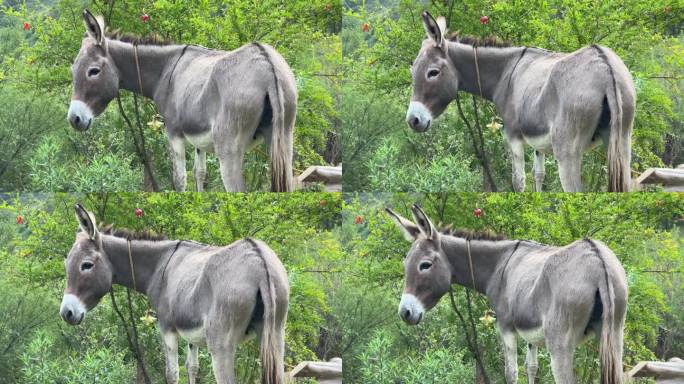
(153, 64)
(147, 257)
(495, 65)
(485, 255)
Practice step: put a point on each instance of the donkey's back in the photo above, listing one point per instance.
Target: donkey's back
(208, 83)
(211, 284)
(550, 83)
(546, 282)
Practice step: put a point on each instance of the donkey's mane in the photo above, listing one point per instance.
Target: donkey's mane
(129, 234)
(470, 234)
(132, 38)
(490, 41)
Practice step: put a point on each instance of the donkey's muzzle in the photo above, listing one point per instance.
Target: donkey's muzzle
(80, 116)
(411, 310)
(72, 310)
(418, 117)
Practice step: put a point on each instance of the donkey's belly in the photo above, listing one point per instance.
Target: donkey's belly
(193, 336)
(540, 143)
(203, 141)
(534, 336)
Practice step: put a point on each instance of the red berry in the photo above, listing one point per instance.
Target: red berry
(145, 17)
(26, 26)
(358, 220)
(20, 219)
(365, 27)
(322, 203)
(477, 212)
(484, 20)
(138, 212)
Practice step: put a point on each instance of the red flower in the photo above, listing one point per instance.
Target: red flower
(145, 18)
(322, 203)
(358, 220)
(477, 212)
(138, 212)
(20, 219)
(365, 27)
(26, 26)
(484, 20)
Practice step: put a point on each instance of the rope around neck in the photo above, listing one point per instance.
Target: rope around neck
(470, 262)
(130, 261)
(479, 86)
(137, 67)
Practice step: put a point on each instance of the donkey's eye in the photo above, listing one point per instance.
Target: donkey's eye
(93, 72)
(432, 73)
(424, 266)
(86, 266)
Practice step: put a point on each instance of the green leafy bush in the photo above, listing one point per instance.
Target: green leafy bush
(96, 364)
(381, 365)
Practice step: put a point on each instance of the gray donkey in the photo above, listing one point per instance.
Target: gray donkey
(208, 295)
(218, 101)
(558, 103)
(550, 296)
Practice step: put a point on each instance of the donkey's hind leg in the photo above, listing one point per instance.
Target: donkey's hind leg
(230, 144)
(222, 349)
(570, 171)
(531, 363)
(561, 340)
(561, 364)
(192, 363)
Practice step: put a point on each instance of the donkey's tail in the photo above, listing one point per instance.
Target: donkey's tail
(611, 338)
(281, 135)
(272, 365)
(619, 142)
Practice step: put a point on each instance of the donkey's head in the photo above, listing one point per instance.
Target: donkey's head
(435, 79)
(95, 76)
(427, 274)
(88, 270)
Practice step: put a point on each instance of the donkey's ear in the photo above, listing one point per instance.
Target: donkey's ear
(442, 24)
(87, 222)
(424, 223)
(408, 229)
(94, 26)
(435, 29)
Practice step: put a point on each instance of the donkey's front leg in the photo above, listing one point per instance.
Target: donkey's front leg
(200, 169)
(170, 341)
(517, 148)
(510, 347)
(192, 363)
(177, 144)
(531, 363)
(538, 170)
